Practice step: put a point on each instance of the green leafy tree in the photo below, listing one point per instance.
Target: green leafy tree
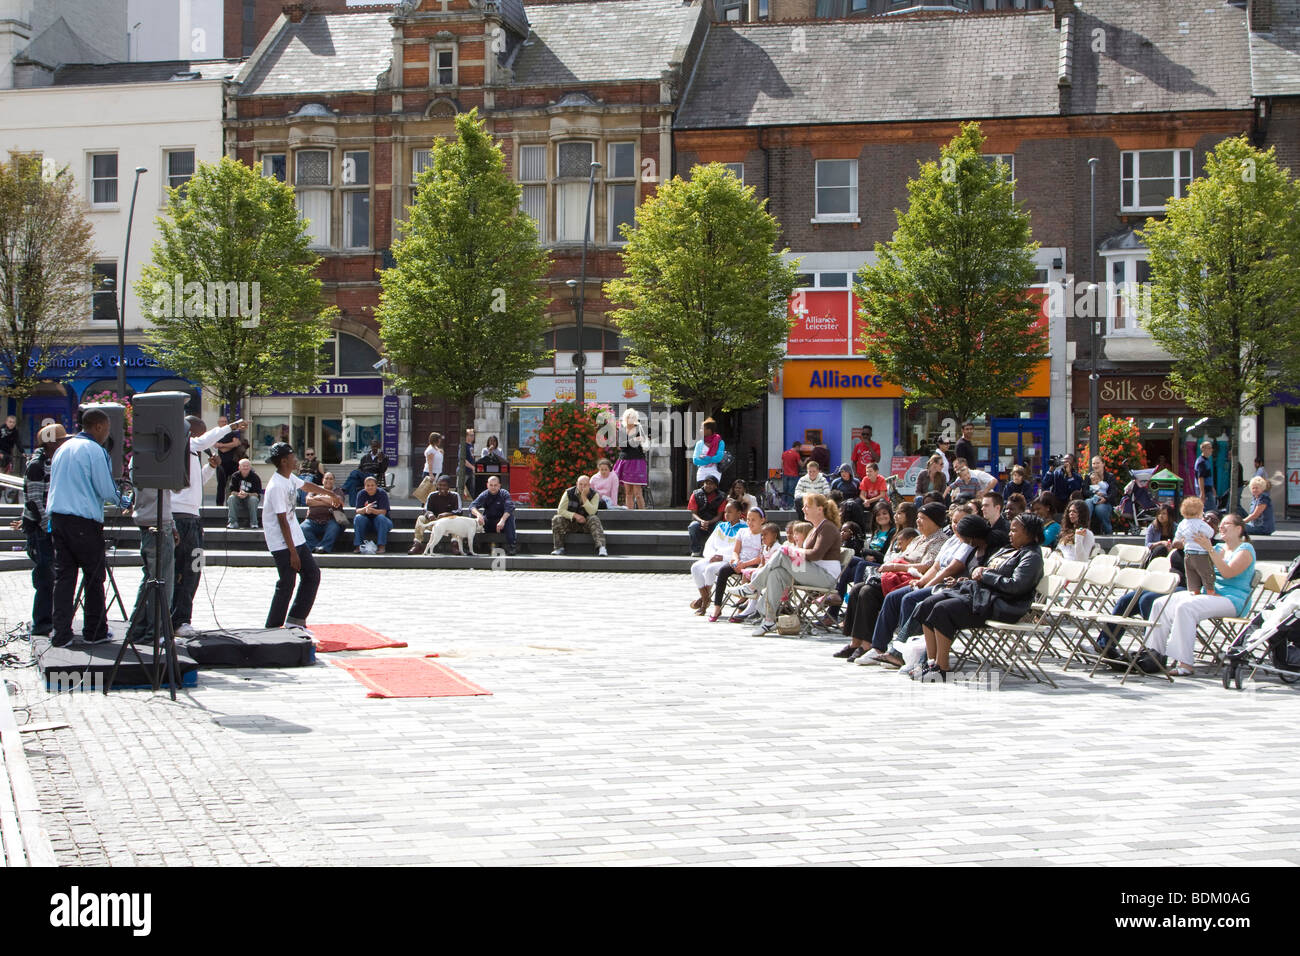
(566, 448)
(231, 290)
(706, 292)
(463, 312)
(1225, 286)
(946, 311)
(46, 250)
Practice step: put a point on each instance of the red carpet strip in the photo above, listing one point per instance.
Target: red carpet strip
(409, 677)
(349, 637)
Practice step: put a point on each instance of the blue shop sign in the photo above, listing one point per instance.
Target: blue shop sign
(93, 361)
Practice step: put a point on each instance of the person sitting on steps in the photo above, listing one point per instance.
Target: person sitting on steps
(244, 494)
(577, 512)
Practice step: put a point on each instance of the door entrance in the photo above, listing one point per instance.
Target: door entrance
(1019, 441)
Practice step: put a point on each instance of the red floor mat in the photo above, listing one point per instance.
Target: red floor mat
(349, 637)
(409, 677)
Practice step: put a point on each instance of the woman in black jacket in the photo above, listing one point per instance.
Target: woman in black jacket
(1001, 590)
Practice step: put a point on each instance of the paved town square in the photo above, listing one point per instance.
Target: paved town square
(622, 729)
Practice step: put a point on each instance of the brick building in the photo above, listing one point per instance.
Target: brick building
(829, 118)
(346, 106)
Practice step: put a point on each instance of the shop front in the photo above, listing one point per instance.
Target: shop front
(615, 393)
(81, 374)
(1169, 429)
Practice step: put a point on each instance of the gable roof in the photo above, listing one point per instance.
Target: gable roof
(963, 66)
(1159, 56)
(604, 41)
(324, 53)
(59, 44)
(1275, 53)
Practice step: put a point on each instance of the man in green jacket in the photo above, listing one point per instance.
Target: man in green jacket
(577, 512)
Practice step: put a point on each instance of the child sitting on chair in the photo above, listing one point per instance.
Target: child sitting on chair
(794, 545)
(1196, 560)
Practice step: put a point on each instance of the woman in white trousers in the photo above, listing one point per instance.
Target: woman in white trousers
(1179, 614)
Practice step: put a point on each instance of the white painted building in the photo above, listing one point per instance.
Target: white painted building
(99, 123)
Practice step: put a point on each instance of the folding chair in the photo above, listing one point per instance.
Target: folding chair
(1215, 635)
(1128, 555)
(1126, 581)
(802, 598)
(1160, 564)
(1007, 644)
(1135, 630)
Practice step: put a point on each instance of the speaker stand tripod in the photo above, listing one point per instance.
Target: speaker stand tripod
(156, 605)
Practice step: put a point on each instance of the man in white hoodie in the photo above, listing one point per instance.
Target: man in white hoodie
(189, 527)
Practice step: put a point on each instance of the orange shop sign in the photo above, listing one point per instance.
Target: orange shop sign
(859, 378)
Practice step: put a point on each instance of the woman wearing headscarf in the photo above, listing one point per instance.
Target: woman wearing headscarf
(1001, 590)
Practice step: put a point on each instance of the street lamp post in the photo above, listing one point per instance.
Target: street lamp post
(1094, 439)
(121, 308)
(580, 359)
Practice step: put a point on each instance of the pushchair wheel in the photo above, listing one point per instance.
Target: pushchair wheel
(1232, 675)
(1288, 678)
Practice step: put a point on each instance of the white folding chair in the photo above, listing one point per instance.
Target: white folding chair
(1135, 630)
(1126, 588)
(803, 598)
(1128, 555)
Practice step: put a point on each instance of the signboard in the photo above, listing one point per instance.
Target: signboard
(907, 469)
(344, 388)
(858, 378)
(605, 389)
(821, 323)
(1293, 465)
(1142, 393)
(392, 416)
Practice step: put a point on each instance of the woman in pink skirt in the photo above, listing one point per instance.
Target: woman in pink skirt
(632, 468)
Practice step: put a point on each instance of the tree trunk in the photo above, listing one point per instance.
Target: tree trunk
(1234, 439)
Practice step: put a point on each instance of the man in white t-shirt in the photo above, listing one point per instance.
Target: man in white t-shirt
(285, 540)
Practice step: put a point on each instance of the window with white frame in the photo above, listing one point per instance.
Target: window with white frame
(1128, 292)
(444, 66)
(837, 190)
(180, 167)
(532, 188)
(311, 178)
(737, 170)
(621, 196)
(103, 179)
(356, 200)
(573, 164)
(1149, 178)
(421, 159)
(102, 295)
(275, 166)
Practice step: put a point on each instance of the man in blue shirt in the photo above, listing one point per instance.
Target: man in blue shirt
(81, 482)
(496, 512)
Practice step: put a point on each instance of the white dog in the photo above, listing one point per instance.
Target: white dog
(453, 526)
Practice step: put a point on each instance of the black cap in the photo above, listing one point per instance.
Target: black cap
(278, 451)
(936, 513)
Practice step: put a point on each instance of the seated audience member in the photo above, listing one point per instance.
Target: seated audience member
(958, 559)
(1160, 534)
(321, 528)
(705, 505)
(815, 562)
(371, 515)
(720, 544)
(1046, 507)
(244, 494)
(309, 469)
(863, 601)
(875, 487)
(868, 550)
(771, 540)
(845, 483)
(881, 533)
(1101, 489)
(851, 510)
(968, 482)
(1260, 519)
(739, 492)
(933, 479)
(1063, 481)
(1001, 590)
(999, 526)
(441, 503)
(1019, 484)
(1076, 540)
(492, 454)
(812, 483)
(1017, 504)
(576, 512)
(606, 483)
(746, 552)
(495, 513)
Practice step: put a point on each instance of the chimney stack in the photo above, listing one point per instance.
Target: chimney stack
(294, 11)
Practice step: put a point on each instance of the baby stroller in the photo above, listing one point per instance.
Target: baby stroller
(1139, 505)
(1271, 644)
(773, 496)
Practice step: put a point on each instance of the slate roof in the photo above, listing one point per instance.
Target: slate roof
(610, 41)
(59, 44)
(324, 53)
(143, 71)
(1159, 56)
(1275, 54)
(962, 66)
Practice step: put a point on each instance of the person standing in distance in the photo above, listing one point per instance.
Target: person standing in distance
(189, 529)
(286, 542)
(228, 449)
(34, 522)
(81, 483)
(966, 444)
(465, 467)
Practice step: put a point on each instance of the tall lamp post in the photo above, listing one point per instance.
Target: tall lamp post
(1094, 439)
(121, 309)
(580, 359)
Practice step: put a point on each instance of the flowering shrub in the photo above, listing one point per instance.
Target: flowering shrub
(1119, 442)
(566, 448)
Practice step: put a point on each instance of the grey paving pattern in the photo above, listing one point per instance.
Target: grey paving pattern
(624, 730)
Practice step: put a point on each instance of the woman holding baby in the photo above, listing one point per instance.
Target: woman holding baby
(815, 563)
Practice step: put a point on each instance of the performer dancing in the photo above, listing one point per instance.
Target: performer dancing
(286, 542)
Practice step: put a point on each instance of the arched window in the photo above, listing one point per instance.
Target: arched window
(346, 356)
